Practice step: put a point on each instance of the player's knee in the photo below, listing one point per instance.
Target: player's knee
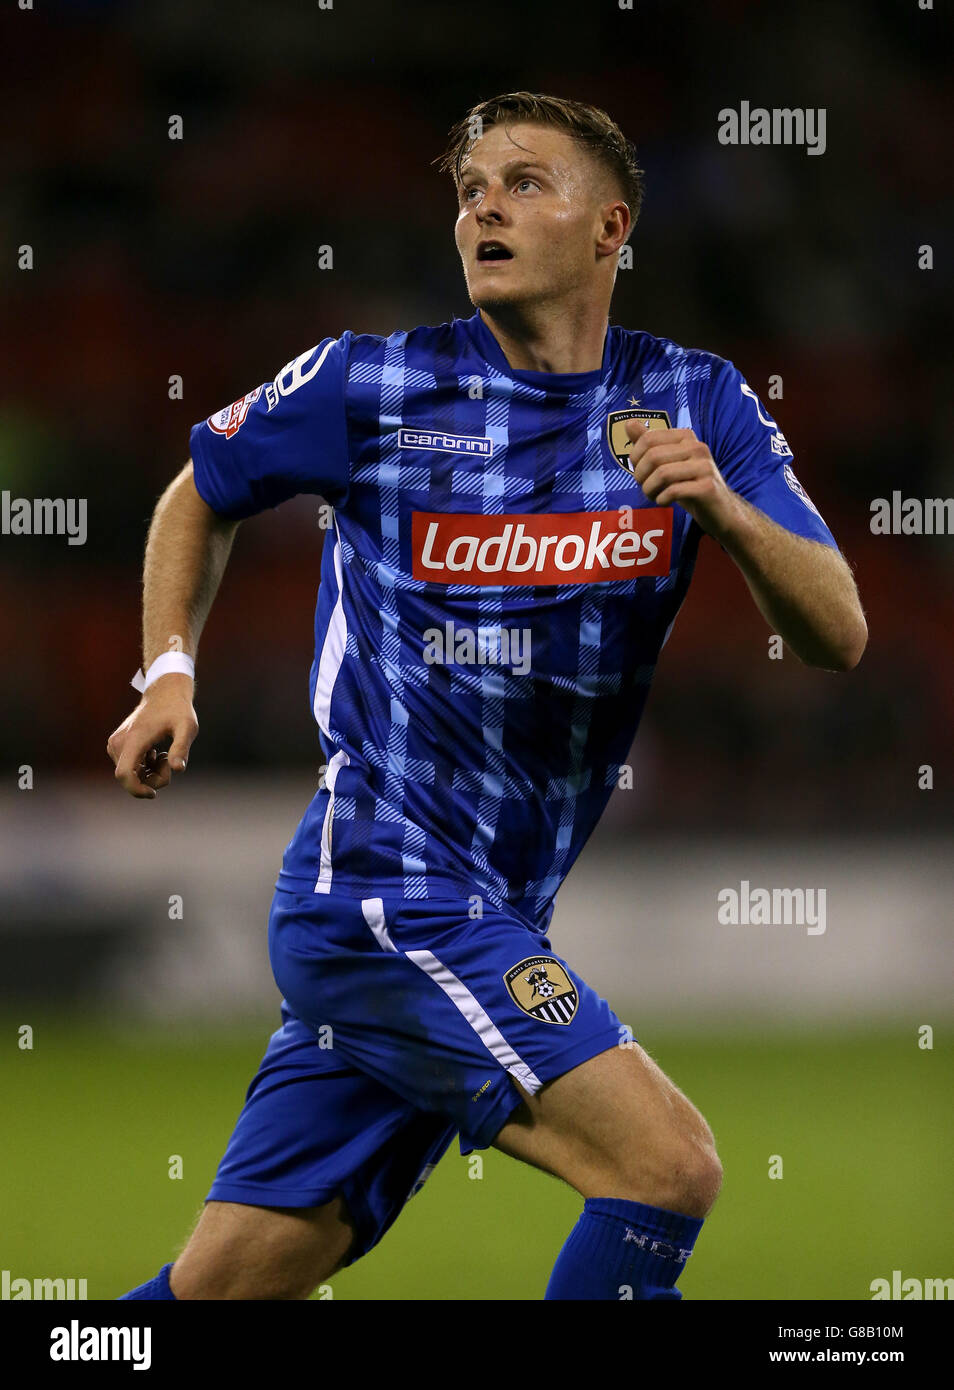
(684, 1176)
(253, 1253)
(697, 1169)
(678, 1171)
(703, 1181)
(260, 1280)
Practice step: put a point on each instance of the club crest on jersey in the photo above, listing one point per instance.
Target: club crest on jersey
(230, 420)
(619, 440)
(541, 987)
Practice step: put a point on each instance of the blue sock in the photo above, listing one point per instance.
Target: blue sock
(156, 1288)
(623, 1250)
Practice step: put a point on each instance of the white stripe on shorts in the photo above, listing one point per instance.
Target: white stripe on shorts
(459, 994)
(373, 909)
(482, 1024)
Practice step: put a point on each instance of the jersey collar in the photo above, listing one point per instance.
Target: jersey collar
(488, 347)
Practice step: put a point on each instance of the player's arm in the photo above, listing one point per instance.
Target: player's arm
(187, 550)
(286, 437)
(804, 589)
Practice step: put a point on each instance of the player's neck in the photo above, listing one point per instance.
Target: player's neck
(549, 339)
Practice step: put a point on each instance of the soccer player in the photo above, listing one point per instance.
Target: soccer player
(518, 501)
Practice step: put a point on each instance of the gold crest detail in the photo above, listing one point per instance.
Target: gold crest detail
(542, 988)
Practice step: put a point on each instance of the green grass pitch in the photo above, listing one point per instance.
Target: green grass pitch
(862, 1122)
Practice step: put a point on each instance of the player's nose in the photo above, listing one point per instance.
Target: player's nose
(491, 206)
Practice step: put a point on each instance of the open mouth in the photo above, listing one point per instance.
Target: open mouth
(493, 251)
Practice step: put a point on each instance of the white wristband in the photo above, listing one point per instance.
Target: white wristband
(169, 661)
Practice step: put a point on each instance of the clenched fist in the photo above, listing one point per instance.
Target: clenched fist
(165, 711)
(674, 466)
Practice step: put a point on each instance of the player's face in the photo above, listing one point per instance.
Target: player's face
(530, 214)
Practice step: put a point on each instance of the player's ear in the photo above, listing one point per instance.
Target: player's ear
(615, 222)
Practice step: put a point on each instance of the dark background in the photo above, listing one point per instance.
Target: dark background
(306, 127)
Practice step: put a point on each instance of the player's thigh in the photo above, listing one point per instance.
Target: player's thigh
(238, 1251)
(617, 1126)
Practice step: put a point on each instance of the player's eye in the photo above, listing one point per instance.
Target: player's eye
(526, 182)
(468, 191)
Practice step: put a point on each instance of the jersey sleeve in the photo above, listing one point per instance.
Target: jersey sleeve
(285, 437)
(753, 456)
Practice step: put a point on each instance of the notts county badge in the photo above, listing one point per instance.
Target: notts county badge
(619, 440)
(541, 987)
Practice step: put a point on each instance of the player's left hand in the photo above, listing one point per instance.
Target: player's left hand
(674, 466)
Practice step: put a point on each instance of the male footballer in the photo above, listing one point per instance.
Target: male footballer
(532, 478)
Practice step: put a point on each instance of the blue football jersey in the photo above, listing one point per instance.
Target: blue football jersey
(494, 594)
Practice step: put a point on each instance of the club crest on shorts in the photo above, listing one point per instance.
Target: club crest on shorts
(619, 440)
(541, 987)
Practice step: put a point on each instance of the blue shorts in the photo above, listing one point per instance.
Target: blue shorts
(404, 1023)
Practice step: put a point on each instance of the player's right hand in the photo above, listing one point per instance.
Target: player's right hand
(165, 711)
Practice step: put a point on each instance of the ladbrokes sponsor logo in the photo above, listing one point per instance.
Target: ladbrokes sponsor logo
(562, 548)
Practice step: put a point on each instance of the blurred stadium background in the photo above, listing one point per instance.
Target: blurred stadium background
(306, 127)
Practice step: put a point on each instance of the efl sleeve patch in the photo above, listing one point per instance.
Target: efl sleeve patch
(752, 454)
(285, 437)
(798, 490)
